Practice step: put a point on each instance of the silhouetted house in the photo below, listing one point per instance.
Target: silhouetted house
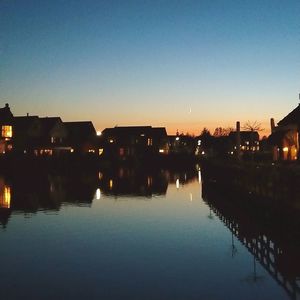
(182, 144)
(27, 134)
(6, 118)
(133, 142)
(249, 141)
(224, 146)
(284, 138)
(82, 137)
(53, 139)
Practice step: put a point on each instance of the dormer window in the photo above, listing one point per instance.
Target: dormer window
(6, 131)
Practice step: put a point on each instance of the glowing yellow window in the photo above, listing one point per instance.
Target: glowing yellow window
(6, 131)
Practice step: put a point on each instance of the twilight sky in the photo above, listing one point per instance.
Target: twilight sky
(180, 64)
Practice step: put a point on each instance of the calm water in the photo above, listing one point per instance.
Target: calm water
(128, 235)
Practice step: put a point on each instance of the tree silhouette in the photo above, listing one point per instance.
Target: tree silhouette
(253, 126)
(220, 131)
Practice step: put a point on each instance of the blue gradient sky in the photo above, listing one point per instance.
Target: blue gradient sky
(179, 64)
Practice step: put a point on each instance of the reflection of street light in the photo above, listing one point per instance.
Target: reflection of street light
(98, 194)
(177, 183)
(254, 278)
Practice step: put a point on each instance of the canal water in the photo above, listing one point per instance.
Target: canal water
(129, 234)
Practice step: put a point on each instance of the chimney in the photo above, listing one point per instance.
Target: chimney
(6, 105)
(27, 114)
(272, 125)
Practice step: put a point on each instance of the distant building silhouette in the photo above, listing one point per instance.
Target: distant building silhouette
(82, 137)
(134, 141)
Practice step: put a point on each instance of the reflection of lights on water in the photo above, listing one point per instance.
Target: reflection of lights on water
(199, 176)
(98, 194)
(100, 175)
(149, 181)
(111, 184)
(5, 198)
(177, 183)
(191, 197)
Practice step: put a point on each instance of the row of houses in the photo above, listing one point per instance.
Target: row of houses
(281, 145)
(48, 136)
(44, 136)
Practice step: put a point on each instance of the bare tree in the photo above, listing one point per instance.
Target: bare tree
(220, 131)
(253, 126)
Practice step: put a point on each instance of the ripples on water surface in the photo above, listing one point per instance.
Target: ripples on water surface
(127, 235)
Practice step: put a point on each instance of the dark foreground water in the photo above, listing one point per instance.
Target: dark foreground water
(131, 235)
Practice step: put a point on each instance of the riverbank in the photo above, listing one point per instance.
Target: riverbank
(269, 184)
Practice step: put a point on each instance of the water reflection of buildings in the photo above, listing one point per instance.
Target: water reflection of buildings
(29, 193)
(5, 194)
(133, 182)
(277, 251)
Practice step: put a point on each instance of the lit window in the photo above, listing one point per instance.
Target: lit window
(101, 151)
(6, 131)
(52, 139)
(149, 142)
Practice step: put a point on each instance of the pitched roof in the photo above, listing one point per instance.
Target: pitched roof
(159, 131)
(292, 118)
(80, 129)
